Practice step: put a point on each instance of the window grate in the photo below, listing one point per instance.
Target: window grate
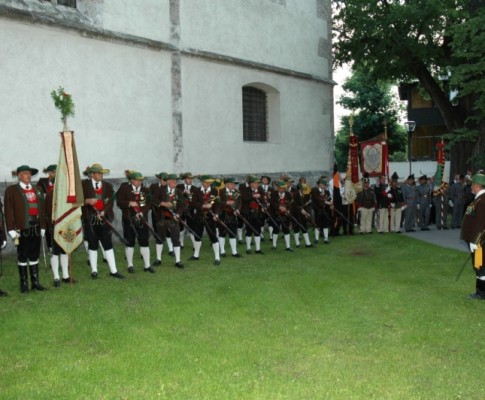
(255, 112)
(67, 3)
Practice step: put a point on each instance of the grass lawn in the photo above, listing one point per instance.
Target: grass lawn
(366, 317)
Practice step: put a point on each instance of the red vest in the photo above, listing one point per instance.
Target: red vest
(32, 200)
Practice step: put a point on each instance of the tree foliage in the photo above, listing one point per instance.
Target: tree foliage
(373, 106)
(425, 40)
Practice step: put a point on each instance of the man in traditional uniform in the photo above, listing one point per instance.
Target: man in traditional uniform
(206, 204)
(188, 190)
(322, 207)
(267, 189)
(252, 211)
(302, 204)
(381, 191)
(57, 252)
(46, 185)
(230, 205)
(411, 201)
(3, 241)
(441, 204)
(423, 191)
(397, 203)
(366, 205)
(473, 232)
(97, 215)
(154, 189)
(133, 200)
(279, 206)
(171, 202)
(458, 198)
(25, 222)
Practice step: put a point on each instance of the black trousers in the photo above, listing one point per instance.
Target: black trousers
(134, 230)
(256, 219)
(96, 231)
(231, 222)
(281, 221)
(207, 222)
(169, 228)
(29, 244)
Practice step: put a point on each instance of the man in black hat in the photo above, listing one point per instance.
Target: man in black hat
(322, 205)
(230, 206)
(397, 202)
(25, 221)
(252, 210)
(267, 190)
(423, 191)
(279, 208)
(157, 216)
(411, 202)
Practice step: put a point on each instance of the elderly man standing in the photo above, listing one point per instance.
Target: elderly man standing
(366, 203)
(473, 232)
(25, 220)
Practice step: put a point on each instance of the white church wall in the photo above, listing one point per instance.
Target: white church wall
(258, 30)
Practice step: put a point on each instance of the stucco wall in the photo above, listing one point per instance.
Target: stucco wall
(257, 30)
(121, 95)
(212, 109)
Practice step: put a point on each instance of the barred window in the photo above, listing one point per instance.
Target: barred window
(255, 115)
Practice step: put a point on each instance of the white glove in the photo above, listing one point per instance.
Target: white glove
(13, 234)
(450, 203)
(473, 247)
(417, 207)
(42, 232)
(4, 244)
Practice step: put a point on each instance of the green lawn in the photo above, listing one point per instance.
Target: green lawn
(367, 317)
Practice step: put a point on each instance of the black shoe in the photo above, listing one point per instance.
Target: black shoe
(3, 294)
(315, 241)
(171, 254)
(425, 229)
(410, 230)
(273, 247)
(117, 275)
(309, 246)
(289, 249)
(94, 275)
(248, 251)
(326, 241)
(217, 262)
(475, 296)
(57, 283)
(297, 246)
(258, 252)
(149, 269)
(240, 241)
(179, 265)
(131, 270)
(157, 262)
(194, 258)
(445, 227)
(223, 255)
(38, 286)
(237, 255)
(68, 280)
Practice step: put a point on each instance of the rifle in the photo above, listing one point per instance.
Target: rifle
(221, 223)
(106, 221)
(191, 231)
(43, 239)
(152, 231)
(339, 213)
(263, 209)
(463, 267)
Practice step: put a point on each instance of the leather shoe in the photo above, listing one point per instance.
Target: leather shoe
(315, 241)
(237, 255)
(309, 245)
(57, 283)
(259, 252)
(117, 275)
(38, 286)
(68, 280)
(289, 249)
(217, 262)
(3, 294)
(156, 263)
(194, 258)
(248, 251)
(223, 254)
(149, 269)
(94, 275)
(131, 270)
(179, 265)
(171, 254)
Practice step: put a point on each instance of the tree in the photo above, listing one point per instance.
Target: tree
(373, 106)
(424, 40)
